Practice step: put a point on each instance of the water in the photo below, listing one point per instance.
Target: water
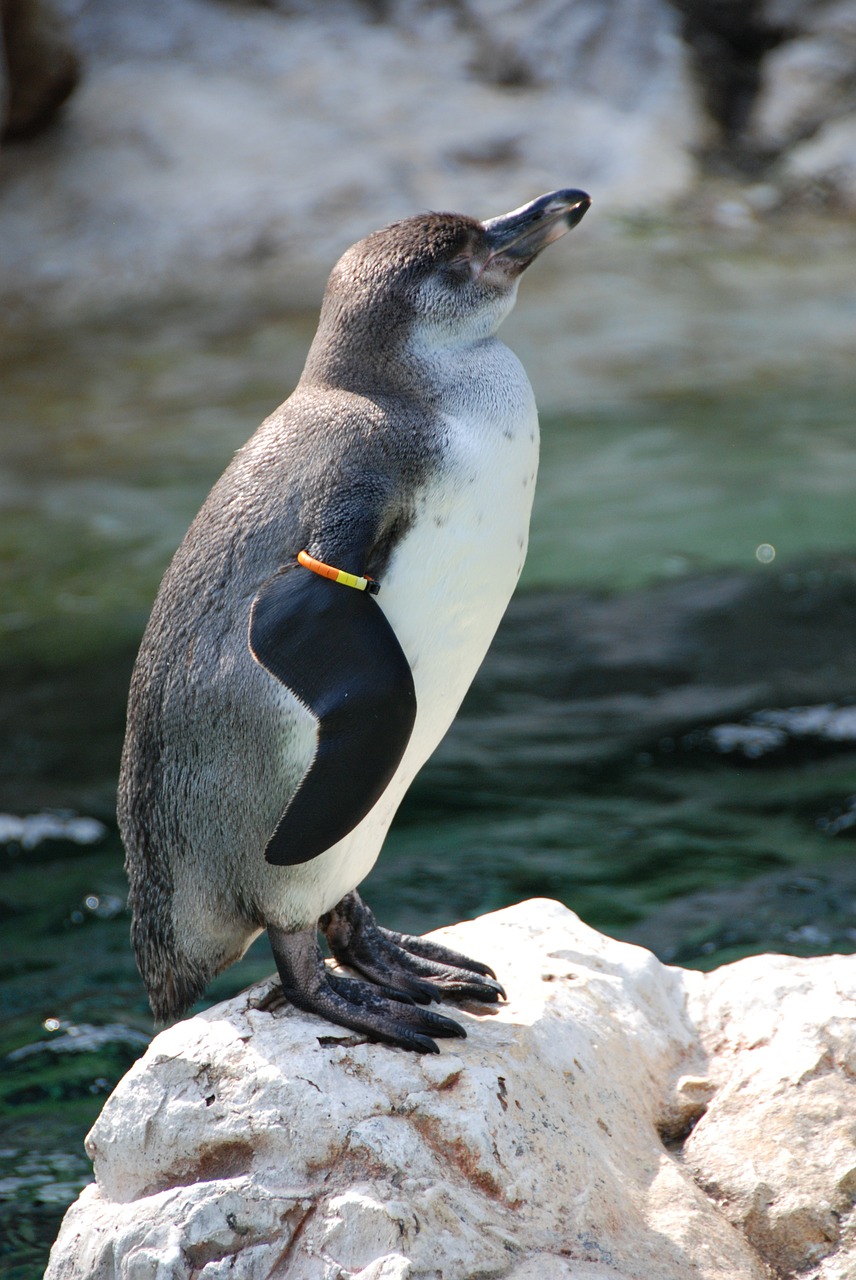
(582, 766)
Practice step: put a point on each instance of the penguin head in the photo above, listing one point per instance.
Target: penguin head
(440, 277)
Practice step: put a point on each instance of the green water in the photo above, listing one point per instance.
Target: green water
(693, 484)
(561, 779)
(111, 439)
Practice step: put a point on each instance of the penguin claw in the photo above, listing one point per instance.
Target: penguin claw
(379, 1012)
(424, 970)
(344, 986)
(363, 995)
(436, 952)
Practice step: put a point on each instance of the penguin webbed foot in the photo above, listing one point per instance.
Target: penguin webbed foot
(421, 969)
(380, 1012)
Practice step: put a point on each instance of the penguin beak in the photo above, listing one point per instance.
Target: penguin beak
(515, 239)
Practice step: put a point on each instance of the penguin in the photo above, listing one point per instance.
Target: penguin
(320, 624)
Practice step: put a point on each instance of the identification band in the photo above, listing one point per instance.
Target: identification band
(338, 575)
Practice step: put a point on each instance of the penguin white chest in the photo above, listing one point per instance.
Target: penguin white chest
(453, 574)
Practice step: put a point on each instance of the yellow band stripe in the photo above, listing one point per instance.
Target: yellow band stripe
(337, 575)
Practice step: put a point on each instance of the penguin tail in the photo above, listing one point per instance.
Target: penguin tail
(172, 980)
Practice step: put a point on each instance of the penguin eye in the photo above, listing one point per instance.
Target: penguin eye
(461, 267)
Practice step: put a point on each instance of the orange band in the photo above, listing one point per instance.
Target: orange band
(337, 575)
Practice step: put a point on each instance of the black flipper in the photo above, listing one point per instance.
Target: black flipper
(333, 647)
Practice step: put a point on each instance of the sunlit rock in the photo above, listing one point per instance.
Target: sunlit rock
(210, 138)
(551, 1145)
(776, 1148)
(803, 80)
(806, 78)
(828, 159)
(804, 108)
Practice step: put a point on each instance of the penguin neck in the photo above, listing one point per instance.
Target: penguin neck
(377, 370)
(354, 349)
(386, 357)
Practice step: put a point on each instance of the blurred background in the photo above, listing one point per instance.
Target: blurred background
(664, 734)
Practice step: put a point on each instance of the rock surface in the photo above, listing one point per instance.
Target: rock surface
(209, 137)
(809, 78)
(615, 1120)
(226, 154)
(805, 109)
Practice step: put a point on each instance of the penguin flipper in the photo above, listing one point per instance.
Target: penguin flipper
(333, 647)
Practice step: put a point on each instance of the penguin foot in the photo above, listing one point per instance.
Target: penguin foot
(380, 1012)
(423, 970)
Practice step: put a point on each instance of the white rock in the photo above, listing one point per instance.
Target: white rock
(806, 102)
(782, 1046)
(829, 157)
(803, 84)
(545, 1147)
(208, 138)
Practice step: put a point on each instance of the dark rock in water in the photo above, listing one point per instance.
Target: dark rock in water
(813, 913)
(576, 678)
